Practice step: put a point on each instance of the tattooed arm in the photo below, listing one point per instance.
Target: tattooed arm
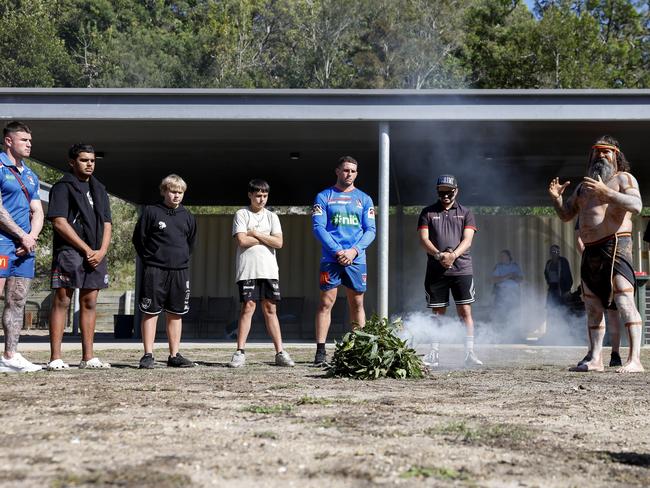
(8, 225)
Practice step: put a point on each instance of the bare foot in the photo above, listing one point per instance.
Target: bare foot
(632, 366)
(592, 365)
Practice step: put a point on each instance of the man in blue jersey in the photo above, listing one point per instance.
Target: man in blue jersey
(343, 219)
(21, 221)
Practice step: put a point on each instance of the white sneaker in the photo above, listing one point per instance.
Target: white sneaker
(17, 364)
(283, 359)
(238, 360)
(93, 363)
(430, 360)
(472, 360)
(57, 365)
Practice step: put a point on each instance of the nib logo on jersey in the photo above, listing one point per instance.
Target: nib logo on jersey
(345, 219)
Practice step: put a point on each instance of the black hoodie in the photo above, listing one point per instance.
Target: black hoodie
(164, 237)
(67, 199)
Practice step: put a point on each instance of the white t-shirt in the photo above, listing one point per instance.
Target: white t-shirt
(256, 262)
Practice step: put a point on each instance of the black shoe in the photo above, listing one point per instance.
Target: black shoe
(615, 360)
(585, 359)
(320, 359)
(179, 361)
(147, 361)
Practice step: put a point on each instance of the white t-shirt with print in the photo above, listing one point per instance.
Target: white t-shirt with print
(256, 262)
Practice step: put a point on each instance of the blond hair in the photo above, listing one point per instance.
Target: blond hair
(172, 182)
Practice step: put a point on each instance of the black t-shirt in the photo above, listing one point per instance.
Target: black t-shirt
(63, 205)
(446, 229)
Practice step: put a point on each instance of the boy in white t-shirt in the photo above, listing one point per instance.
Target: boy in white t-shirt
(258, 234)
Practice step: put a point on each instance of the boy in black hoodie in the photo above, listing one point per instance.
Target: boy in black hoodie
(80, 213)
(163, 238)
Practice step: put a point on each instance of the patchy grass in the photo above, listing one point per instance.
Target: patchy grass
(461, 430)
(270, 409)
(435, 472)
(309, 400)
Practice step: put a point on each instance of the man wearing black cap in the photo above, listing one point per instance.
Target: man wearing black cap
(446, 230)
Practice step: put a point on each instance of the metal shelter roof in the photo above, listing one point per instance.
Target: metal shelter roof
(503, 145)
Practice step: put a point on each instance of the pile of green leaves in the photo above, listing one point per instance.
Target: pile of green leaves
(375, 352)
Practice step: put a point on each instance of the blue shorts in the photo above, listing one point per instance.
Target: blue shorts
(332, 275)
(12, 265)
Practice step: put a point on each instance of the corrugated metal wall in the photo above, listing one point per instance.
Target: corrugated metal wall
(527, 237)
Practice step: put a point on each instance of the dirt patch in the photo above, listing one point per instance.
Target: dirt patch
(523, 420)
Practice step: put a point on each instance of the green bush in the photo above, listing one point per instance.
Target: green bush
(375, 352)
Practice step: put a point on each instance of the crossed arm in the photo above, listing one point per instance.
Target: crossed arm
(27, 241)
(254, 238)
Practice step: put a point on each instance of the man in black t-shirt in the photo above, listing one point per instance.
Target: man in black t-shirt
(446, 230)
(80, 213)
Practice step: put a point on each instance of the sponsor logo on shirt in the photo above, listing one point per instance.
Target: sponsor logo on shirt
(30, 179)
(344, 219)
(4, 262)
(359, 203)
(316, 210)
(162, 225)
(371, 213)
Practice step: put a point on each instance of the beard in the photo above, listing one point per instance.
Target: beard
(601, 167)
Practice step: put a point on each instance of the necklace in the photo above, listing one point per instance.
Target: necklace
(258, 220)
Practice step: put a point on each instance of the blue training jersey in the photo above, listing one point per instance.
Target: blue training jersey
(13, 197)
(343, 220)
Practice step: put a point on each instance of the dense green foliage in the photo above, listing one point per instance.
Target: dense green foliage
(325, 43)
(375, 352)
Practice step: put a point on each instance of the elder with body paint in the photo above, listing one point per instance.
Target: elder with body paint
(604, 202)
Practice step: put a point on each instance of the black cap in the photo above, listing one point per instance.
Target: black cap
(447, 180)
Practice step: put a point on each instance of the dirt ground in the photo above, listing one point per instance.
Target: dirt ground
(523, 420)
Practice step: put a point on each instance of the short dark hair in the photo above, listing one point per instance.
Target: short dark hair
(257, 185)
(346, 159)
(507, 253)
(15, 126)
(77, 149)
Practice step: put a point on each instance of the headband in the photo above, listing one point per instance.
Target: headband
(606, 146)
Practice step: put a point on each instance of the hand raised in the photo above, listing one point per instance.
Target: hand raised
(555, 189)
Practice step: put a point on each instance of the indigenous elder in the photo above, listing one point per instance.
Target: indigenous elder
(258, 234)
(343, 219)
(613, 324)
(80, 212)
(446, 230)
(604, 202)
(163, 238)
(21, 221)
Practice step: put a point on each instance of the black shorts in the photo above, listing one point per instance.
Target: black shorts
(437, 286)
(164, 289)
(70, 270)
(260, 289)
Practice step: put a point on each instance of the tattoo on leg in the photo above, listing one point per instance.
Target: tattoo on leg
(16, 290)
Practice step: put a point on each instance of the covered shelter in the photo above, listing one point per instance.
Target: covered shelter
(504, 146)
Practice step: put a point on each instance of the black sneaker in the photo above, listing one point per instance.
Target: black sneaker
(179, 361)
(585, 359)
(320, 359)
(615, 360)
(147, 361)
